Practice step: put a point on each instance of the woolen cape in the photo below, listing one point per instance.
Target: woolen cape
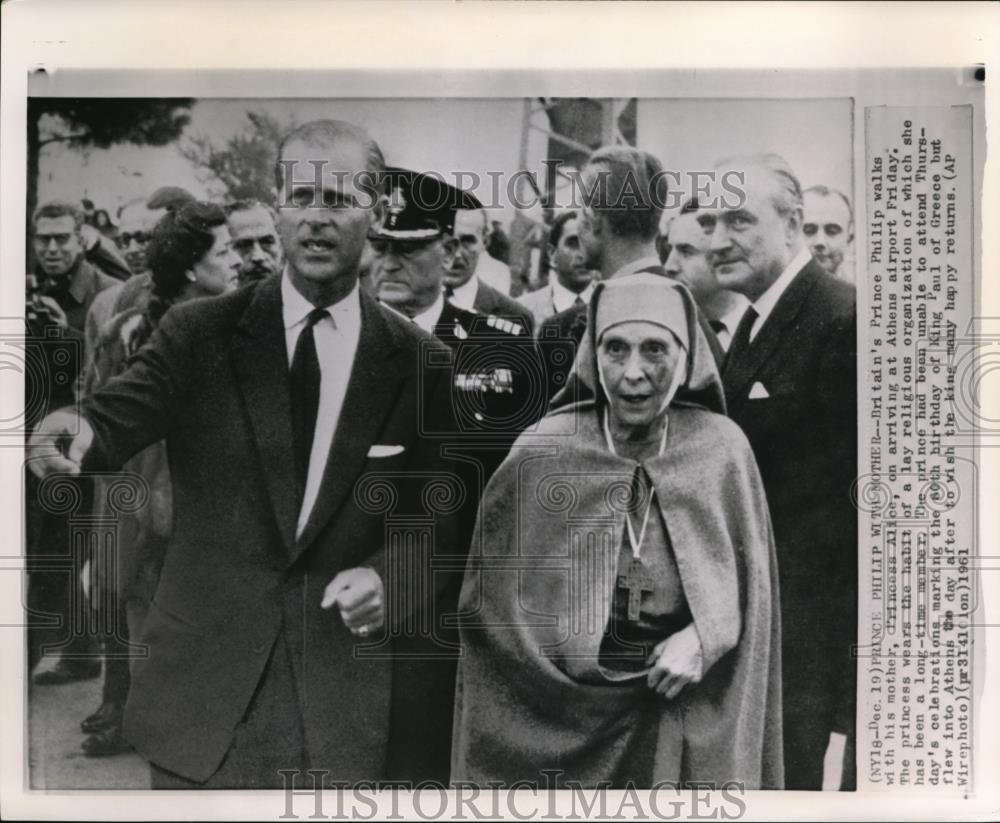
(532, 696)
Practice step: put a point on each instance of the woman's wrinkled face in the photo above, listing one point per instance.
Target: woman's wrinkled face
(638, 361)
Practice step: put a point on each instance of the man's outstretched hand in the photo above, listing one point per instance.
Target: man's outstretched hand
(59, 444)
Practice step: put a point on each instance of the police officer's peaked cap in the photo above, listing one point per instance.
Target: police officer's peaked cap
(421, 206)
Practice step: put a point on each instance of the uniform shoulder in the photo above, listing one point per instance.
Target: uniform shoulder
(406, 332)
(496, 302)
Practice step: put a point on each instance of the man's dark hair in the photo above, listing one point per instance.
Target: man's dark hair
(328, 132)
(559, 225)
(690, 206)
(826, 191)
(59, 208)
(630, 190)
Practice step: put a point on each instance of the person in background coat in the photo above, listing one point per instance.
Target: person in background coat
(571, 282)
(292, 412)
(474, 281)
(790, 379)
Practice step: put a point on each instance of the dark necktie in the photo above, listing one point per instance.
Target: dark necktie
(717, 326)
(741, 339)
(449, 292)
(304, 384)
(578, 302)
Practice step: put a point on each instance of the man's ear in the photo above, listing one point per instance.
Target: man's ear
(378, 211)
(793, 225)
(596, 221)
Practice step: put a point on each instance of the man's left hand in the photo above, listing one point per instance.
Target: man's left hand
(677, 662)
(360, 596)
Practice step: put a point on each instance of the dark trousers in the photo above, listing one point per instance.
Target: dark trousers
(263, 744)
(118, 652)
(807, 730)
(805, 745)
(57, 613)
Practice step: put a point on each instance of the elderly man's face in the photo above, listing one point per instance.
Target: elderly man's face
(323, 232)
(255, 240)
(688, 259)
(638, 361)
(58, 244)
(827, 227)
(470, 231)
(407, 274)
(135, 227)
(751, 245)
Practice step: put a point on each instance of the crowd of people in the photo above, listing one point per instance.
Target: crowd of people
(397, 524)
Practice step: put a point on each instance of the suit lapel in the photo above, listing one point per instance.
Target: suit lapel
(371, 393)
(738, 374)
(260, 358)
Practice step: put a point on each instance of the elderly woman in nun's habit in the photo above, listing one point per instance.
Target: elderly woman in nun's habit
(620, 612)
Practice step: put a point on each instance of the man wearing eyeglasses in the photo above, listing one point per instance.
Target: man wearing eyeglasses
(59, 297)
(296, 415)
(255, 240)
(68, 283)
(135, 226)
(137, 219)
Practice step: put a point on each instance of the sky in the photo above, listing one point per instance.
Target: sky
(478, 136)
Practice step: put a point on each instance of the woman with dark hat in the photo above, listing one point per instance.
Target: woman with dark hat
(190, 256)
(619, 620)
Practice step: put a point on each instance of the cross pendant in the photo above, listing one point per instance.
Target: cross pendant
(636, 581)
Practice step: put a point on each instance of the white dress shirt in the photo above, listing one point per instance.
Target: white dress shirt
(465, 295)
(765, 304)
(730, 320)
(563, 298)
(336, 338)
(493, 272)
(427, 319)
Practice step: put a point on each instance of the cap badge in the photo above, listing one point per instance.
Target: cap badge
(397, 205)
